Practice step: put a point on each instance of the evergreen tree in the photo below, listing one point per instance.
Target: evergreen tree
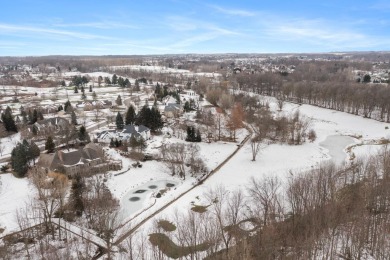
(367, 78)
(119, 121)
(73, 118)
(190, 134)
(34, 117)
(121, 82)
(60, 108)
(76, 90)
(34, 151)
(112, 143)
(19, 160)
(150, 118)
(187, 107)
(77, 198)
(68, 107)
(84, 80)
(82, 90)
(155, 123)
(144, 116)
(119, 100)
(49, 145)
(83, 135)
(158, 91)
(137, 88)
(90, 88)
(127, 83)
(8, 120)
(114, 79)
(130, 115)
(193, 134)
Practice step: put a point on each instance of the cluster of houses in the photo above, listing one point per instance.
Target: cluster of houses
(90, 159)
(90, 105)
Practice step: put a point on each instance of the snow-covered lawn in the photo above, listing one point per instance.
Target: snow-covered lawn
(212, 154)
(14, 194)
(8, 143)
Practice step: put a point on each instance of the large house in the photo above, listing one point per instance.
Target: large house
(125, 134)
(43, 128)
(172, 110)
(88, 160)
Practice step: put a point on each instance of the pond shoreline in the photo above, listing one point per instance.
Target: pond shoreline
(336, 145)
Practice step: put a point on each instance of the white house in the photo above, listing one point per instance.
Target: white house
(187, 95)
(124, 135)
(137, 131)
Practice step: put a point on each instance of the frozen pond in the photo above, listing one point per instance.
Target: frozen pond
(139, 198)
(336, 145)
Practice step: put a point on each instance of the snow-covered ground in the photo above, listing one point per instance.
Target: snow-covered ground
(8, 143)
(14, 194)
(283, 160)
(152, 172)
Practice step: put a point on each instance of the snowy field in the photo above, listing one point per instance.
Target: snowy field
(343, 129)
(15, 194)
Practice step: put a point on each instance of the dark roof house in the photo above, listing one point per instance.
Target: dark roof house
(89, 159)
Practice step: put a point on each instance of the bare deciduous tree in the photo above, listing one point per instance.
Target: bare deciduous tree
(255, 146)
(50, 190)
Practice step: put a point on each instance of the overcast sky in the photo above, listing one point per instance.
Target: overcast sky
(124, 27)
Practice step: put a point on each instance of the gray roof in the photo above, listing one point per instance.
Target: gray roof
(52, 161)
(172, 107)
(102, 134)
(55, 121)
(129, 129)
(142, 128)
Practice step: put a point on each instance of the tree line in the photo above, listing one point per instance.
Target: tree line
(149, 117)
(330, 86)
